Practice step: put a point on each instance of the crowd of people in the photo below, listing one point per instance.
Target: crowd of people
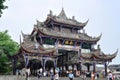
(54, 74)
(112, 76)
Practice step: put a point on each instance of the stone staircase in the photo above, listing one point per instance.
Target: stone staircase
(13, 77)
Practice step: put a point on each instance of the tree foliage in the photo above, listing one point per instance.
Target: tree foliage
(2, 6)
(8, 47)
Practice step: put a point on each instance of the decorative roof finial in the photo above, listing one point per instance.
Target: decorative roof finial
(22, 33)
(98, 47)
(51, 13)
(62, 14)
(83, 31)
(73, 17)
(20, 40)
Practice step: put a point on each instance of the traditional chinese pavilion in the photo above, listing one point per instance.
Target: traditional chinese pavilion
(61, 42)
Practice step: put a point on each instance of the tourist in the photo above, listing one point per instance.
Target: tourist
(27, 72)
(110, 76)
(97, 74)
(18, 73)
(67, 73)
(40, 74)
(51, 74)
(71, 75)
(78, 73)
(113, 77)
(92, 76)
(60, 73)
(56, 76)
(45, 73)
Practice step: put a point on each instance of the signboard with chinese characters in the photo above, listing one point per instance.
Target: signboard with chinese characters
(86, 45)
(69, 42)
(49, 41)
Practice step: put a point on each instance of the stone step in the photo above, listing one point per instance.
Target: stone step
(12, 77)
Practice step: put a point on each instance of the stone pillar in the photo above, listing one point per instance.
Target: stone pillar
(66, 66)
(94, 67)
(80, 67)
(55, 63)
(79, 63)
(14, 65)
(62, 63)
(43, 61)
(88, 68)
(105, 64)
(72, 67)
(26, 59)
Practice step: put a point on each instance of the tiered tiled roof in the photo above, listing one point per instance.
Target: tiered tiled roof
(41, 27)
(62, 18)
(30, 46)
(98, 55)
(34, 47)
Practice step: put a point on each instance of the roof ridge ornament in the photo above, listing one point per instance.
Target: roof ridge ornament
(22, 33)
(98, 47)
(85, 23)
(116, 52)
(51, 13)
(83, 31)
(99, 37)
(73, 17)
(20, 40)
(62, 14)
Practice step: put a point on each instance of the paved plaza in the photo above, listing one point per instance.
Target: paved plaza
(11, 77)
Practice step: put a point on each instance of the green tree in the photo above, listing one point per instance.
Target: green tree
(2, 6)
(8, 47)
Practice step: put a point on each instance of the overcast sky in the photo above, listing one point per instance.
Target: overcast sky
(103, 15)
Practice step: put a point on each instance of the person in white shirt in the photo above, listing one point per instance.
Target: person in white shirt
(27, 73)
(40, 73)
(52, 74)
(110, 75)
